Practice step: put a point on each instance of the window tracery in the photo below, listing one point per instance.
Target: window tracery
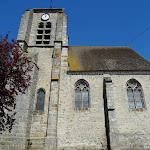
(135, 94)
(82, 94)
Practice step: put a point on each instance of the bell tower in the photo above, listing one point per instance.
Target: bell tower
(42, 27)
(42, 34)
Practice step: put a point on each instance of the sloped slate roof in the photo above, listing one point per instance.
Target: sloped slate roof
(105, 58)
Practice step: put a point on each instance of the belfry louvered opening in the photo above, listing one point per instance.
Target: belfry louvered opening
(43, 33)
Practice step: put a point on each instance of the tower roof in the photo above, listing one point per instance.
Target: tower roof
(106, 58)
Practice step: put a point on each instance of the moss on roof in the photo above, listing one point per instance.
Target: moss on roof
(105, 58)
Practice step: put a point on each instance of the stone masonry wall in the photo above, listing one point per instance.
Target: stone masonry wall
(40, 118)
(43, 134)
(80, 129)
(132, 125)
(51, 139)
(25, 25)
(36, 21)
(110, 114)
(16, 140)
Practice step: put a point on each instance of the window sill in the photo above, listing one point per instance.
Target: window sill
(82, 109)
(137, 109)
(39, 112)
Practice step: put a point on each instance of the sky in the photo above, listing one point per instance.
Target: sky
(90, 22)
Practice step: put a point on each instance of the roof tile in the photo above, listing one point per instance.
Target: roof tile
(106, 58)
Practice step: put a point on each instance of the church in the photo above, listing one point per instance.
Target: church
(81, 97)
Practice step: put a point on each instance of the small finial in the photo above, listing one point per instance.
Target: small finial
(51, 4)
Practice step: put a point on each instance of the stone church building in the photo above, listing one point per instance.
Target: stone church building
(81, 97)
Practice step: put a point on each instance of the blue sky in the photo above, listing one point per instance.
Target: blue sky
(90, 22)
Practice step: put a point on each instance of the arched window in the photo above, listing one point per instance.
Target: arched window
(40, 99)
(135, 94)
(82, 94)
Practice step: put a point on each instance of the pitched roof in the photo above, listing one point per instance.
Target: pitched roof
(105, 58)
